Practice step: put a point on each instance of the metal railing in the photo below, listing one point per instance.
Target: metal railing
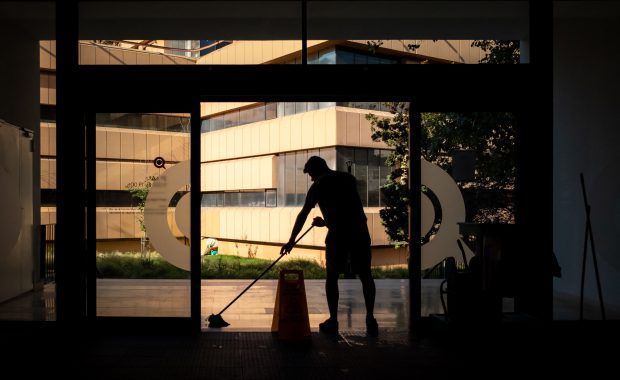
(438, 271)
(47, 248)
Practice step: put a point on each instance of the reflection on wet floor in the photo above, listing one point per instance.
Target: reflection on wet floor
(255, 312)
(37, 305)
(252, 312)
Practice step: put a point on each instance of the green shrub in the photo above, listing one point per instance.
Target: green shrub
(133, 265)
(235, 267)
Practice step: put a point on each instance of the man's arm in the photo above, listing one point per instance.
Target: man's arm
(299, 223)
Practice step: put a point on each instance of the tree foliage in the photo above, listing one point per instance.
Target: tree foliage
(108, 42)
(394, 132)
(499, 51)
(139, 192)
(490, 135)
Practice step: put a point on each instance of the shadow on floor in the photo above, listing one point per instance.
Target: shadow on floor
(558, 348)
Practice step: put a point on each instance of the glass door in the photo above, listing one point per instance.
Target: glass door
(140, 222)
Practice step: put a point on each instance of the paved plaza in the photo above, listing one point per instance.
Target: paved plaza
(254, 310)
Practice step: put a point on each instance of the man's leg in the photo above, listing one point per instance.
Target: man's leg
(368, 286)
(369, 289)
(331, 291)
(330, 326)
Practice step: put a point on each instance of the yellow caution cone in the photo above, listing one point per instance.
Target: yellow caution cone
(290, 313)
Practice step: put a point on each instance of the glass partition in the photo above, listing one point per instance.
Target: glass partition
(468, 185)
(142, 218)
(189, 32)
(253, 187)
(406, 32)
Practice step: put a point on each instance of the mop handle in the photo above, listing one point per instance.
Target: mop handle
(262, 274)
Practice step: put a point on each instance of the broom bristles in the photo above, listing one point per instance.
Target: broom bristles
(216, 321)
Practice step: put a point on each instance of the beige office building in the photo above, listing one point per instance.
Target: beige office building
(252, 154)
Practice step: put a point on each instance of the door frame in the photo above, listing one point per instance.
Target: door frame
(133, 324)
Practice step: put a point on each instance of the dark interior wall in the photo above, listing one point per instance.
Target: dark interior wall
(19, 77)
(586, 139)
(256, 20)
(19, 105)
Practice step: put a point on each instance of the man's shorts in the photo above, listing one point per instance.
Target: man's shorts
(351, 255)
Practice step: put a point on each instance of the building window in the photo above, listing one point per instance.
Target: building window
(154, 122)
(271, 198)
(367, 165)
(185, 45)
(289, 180)
(374, 176)
(360, 171)
(268, 111)
(211, 46)
(264, 198)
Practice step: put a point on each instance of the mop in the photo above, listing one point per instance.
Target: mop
(216, 320)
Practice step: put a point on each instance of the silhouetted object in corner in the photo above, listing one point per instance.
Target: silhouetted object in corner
(348, 239)
(589, 235)
(556, 269)
(463, 255)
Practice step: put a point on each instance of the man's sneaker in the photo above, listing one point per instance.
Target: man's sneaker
(372, 328)
(329, 327)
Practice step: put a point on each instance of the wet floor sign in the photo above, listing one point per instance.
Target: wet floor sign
(290, 314)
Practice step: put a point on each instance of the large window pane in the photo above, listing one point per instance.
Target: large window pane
(361, 173)
(329, 155)
(344, 159)
(289, 186)
(231, 119)
(374, 164)
(140, 238)
(271, 111)
(345, 57)
(301, 178)
(301, 107)
(289, 109)
(270, 198)
(327, 57)
(240, 163)
(154, 122)
(281, 192)
(412, 32)
(189, 32)
(384, 171)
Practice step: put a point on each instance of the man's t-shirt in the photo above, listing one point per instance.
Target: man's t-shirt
(341, 206)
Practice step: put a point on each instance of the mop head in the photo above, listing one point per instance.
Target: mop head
(216, 321)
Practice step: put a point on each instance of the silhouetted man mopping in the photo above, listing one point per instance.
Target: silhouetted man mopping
(347, 241)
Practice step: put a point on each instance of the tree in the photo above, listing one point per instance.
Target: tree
(139, 192)
(108, 42)
(489, 135)
(394, 132)
(496, 51)
(499, 52)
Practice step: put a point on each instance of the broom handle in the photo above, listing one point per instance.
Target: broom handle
(262, 274)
